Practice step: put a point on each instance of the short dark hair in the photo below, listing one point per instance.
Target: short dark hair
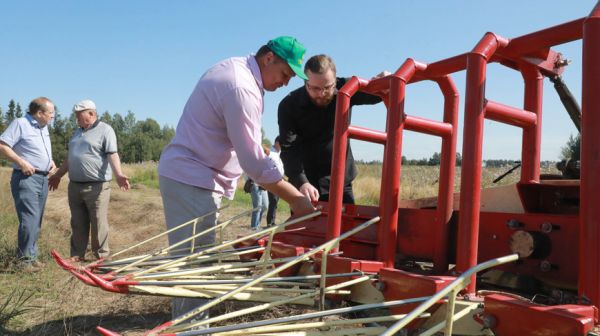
(38, 104)
(320, 64)
(262, 51)
(276, 140)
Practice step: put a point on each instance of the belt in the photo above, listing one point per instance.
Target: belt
(88, 182)
(37, 172)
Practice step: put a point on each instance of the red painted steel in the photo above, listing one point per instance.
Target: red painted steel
(512, 316)
(509, 115)
(365, 134)
(342, 120)
(589, 255)
(106, 332)
(447, 169)
(468, 225)
(392, 156)
(541, 39)
(397, 120)
(427, 126)
(532, 136)
(399, 285)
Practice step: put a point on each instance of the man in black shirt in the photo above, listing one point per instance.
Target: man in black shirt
(306, 124)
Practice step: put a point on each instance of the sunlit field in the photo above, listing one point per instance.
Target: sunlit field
(51, 302)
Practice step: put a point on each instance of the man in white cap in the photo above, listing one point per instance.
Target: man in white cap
(92, 154)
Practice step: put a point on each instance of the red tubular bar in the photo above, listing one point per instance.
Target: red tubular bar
(390, 182)
(589, 253)
(509, 115)
(545, 38)
(427, 126)
(470, 193)
(365, 134)
(532, 136)
(336, 188)
(447, 168)
(442, 68)
(392, 158)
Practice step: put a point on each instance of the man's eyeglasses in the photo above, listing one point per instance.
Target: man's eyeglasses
(319, 89)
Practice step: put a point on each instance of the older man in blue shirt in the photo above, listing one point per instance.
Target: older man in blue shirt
(26, 142)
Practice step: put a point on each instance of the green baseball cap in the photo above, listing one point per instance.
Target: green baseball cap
(290, 50)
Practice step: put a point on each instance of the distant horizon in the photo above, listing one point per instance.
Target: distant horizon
(4, 108)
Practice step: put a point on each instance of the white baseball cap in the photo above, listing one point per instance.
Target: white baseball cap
(83, 105)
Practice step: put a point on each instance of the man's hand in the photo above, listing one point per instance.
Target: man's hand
(309, 191)
(26, 168)
(382, 74)
(123, 182)
(52, 167)
(301, 206)
(54, 181)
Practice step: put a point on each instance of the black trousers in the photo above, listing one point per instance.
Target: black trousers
(272, 211)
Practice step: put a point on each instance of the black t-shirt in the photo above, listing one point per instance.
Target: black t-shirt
(306, 137)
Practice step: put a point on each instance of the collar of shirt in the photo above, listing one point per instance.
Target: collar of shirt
(93, 125)
(32, 121)
(255, 69)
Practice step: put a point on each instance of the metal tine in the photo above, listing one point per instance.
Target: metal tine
(306, 316)
(171, 257)
(233, 267)
(280, 268)
(277, 329)
(202, 259)
(173, 323)
(293, 280)
(228, 244)
(170, 247)
(101, 262)
(265, 306)
(193, 221)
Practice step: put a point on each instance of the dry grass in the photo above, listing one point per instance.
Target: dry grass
(423, 181)
(65, 306)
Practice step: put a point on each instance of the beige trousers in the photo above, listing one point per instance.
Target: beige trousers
(89, 217)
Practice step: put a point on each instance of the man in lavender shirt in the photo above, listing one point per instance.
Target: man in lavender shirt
(219, 136)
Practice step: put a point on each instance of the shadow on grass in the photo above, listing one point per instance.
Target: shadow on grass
(85, 325)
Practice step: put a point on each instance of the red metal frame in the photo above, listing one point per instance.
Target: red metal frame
(589, 254)
(530, 55)
(397, 121)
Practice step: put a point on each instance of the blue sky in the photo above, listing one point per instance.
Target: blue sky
(146, 56)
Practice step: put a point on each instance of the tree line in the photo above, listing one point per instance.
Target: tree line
(138, 140)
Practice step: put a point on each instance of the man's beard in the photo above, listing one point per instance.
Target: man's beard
(322, 102)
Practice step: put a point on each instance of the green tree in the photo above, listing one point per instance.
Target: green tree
(118, 124)
(434, 160)
(572, 149)
(18, 111)
(106, 118)
(12, 111)
(2, 126)
(458, 159)
(129, 123)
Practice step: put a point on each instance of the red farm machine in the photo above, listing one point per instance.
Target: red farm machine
(464, 264)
